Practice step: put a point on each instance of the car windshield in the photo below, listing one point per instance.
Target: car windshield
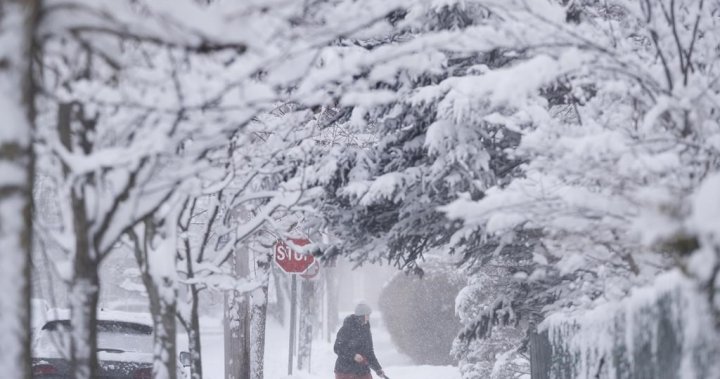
(112, 336)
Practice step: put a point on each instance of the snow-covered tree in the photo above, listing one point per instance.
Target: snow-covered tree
(611, 171)
(155, 244)
(415, 158)
(561, 152)
(486, 350)
(220, 229)
(426, 144)
(117, 110)
(127, 85)
(569, 139)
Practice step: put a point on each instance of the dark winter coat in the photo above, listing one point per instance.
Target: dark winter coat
(354, 337)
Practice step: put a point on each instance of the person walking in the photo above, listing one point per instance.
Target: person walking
(354, 347)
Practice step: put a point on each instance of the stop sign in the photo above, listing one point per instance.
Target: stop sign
(290, 260)
(312, 271)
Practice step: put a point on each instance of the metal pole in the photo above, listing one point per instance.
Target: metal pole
(293, 321)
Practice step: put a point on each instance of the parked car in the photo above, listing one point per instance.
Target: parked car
(125, 349)
(128, 305)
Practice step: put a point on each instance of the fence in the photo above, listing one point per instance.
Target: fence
(661, 332)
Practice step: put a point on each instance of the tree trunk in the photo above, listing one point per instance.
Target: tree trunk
(278, 309)
(18, 21)
(258, 318)
(163, 308)
(162, 295)
(194, 335)
(164, 324)
(307, 314)
(237, 324)
(84, 294)
(85, 285)
(192, 325)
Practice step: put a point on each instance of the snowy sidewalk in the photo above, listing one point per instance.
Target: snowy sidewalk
(396, 365)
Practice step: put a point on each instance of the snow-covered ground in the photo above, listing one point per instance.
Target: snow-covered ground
(396, 365)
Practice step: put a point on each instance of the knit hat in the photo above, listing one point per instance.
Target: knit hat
(362, 309)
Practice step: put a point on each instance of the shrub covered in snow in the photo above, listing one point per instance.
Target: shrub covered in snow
(419, 314)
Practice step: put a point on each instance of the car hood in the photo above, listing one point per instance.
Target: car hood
(127, 356)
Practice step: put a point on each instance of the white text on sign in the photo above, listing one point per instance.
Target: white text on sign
(285, 253)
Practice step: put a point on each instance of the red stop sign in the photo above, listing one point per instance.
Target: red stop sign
(291, 261)
(311, 271)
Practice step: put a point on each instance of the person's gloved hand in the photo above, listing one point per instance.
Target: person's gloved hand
(360, 359)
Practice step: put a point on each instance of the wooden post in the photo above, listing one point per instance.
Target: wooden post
(540, 355)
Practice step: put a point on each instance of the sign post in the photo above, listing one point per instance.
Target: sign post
(293, 322)
(292, 263)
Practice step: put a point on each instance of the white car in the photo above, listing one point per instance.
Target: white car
(125, 348)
